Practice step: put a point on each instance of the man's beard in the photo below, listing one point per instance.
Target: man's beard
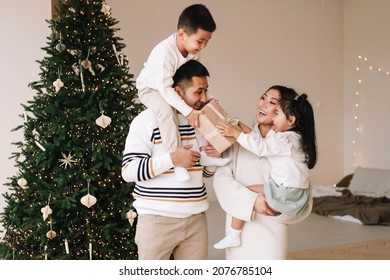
(199, 105)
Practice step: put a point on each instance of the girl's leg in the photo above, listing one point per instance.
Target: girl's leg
(233, 238)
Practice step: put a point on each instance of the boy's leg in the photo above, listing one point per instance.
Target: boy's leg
(168, 126)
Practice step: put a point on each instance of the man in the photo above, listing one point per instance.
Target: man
(171, 214)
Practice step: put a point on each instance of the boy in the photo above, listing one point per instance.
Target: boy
(154, 83)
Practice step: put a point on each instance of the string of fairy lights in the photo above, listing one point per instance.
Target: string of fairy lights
(361, 61)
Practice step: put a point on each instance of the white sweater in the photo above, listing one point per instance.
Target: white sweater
(284, 152)
(147, 163)
(158, 71)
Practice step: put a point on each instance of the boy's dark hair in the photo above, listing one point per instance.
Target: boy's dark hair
(293, 104)
(187, 71)
(196, 17)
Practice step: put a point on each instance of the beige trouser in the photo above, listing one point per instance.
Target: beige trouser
(160, 237)
(166, 117)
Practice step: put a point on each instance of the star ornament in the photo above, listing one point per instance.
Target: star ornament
(67, 160)
(106, 9)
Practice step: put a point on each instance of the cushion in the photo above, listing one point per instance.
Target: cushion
(370, 182)
(344, 183)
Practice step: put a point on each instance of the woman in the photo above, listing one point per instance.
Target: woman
(264, 236)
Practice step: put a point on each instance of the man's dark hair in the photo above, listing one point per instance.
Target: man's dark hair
(196, 17)
(187, 71)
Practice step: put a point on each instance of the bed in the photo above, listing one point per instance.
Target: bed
(362, 197)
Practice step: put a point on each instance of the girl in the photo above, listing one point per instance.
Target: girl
(291, 150)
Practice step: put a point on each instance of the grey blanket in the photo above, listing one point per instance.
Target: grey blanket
(369, 210)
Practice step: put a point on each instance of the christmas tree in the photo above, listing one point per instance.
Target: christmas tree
(68, 199)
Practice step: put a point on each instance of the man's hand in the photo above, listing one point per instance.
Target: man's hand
(210, 150)
(185, 157)
(193, 118)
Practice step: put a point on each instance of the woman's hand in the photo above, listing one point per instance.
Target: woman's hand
(261, 206)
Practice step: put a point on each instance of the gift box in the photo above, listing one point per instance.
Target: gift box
(212, 115)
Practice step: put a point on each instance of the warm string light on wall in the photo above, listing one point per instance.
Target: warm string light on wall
(356, 117)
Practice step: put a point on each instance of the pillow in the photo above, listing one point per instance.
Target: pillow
(344, 183)
(370, 182)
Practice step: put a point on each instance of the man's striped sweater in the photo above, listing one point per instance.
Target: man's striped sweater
(147, 163)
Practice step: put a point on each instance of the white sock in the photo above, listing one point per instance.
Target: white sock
(233, 239)
(206, 160)
(182, 174)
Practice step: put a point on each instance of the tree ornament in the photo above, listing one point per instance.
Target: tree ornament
(51, 233)
(103, 121)
(46, 211)
(23, 183)
(36, 140)
(101, 67)
(86, 63)
(88, 200)
(90, 250)
(45, 252)
(60, 46)
(76, 69)
(106, 9)
(66, 246)
(131, 215)
(81, 77)
(118, 54)
(67, 160)
(58, 84)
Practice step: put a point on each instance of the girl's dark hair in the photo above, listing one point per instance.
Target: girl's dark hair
(196, 17)
(298, 106)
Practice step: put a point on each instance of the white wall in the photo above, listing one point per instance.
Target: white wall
(310, 45)
(23, 32)
(259, 43)
(366, 25)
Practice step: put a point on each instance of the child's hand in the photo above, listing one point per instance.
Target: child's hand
(226, 129)
(193, 118)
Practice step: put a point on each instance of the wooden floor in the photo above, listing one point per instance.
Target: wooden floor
(368, 250)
